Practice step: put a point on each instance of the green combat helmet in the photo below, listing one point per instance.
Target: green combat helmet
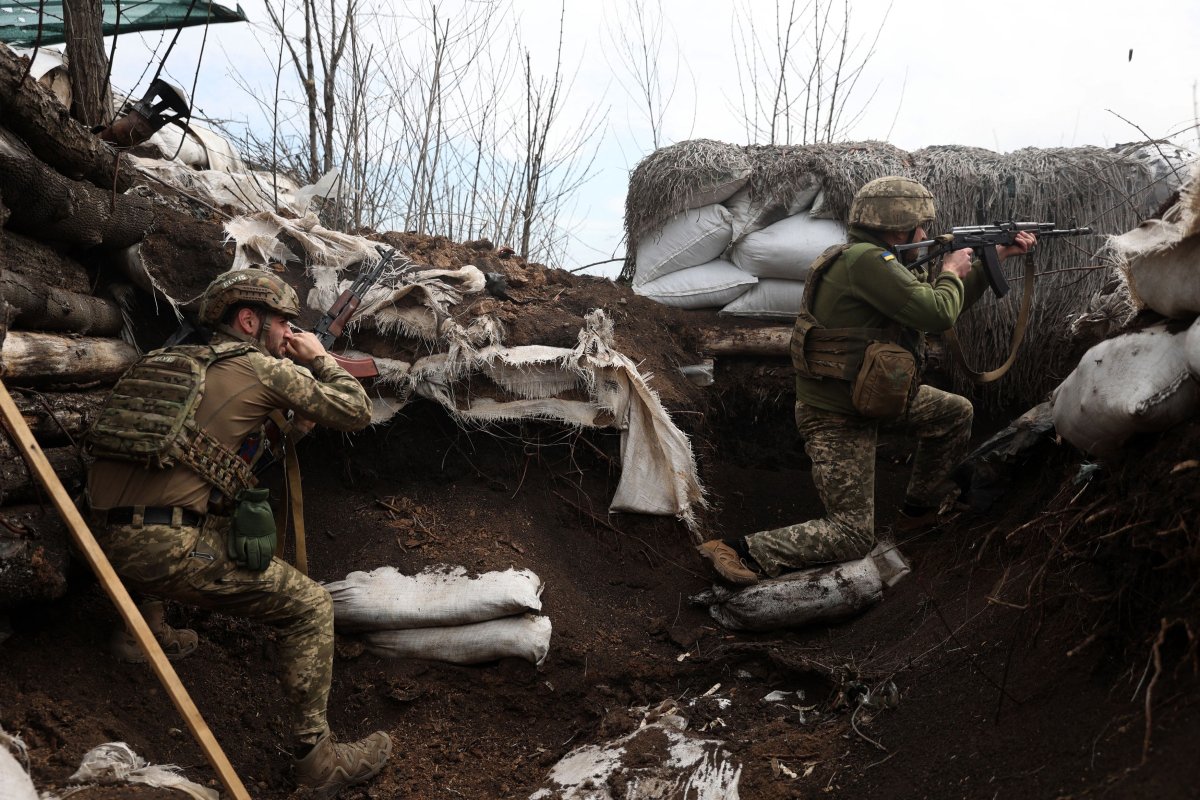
(892, 204)
(252, 285)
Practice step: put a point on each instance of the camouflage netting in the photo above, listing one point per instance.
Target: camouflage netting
(1109, 190)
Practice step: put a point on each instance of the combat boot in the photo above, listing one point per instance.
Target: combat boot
(331, 766)
(177, 643)
(726, 562)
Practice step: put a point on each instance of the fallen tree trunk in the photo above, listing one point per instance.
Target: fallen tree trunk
(58, 418)
(35, 358)
(33, 555)
(39, 261)
(745, 341)
(43, 203)
(18, 485)
(33, 113)
(46, 308)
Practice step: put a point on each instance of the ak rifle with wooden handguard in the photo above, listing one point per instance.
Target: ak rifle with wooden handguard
(331, 325)
(984, 239)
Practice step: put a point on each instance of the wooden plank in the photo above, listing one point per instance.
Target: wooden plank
(23, 437)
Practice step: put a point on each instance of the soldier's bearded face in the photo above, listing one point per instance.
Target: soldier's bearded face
(275, 335)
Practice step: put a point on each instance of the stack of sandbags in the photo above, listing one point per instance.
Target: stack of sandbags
(443, 614)
(1147, 380)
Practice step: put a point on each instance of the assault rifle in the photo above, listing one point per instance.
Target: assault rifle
(334, 322)
(984, 239)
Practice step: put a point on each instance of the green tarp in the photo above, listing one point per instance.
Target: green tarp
(19, 18)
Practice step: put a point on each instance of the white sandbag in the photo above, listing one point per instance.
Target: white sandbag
(1168, 281)
(710, 285)
(688, 239)
(806, 597)
(787, 248)
(770, 298)
(1191, 349)
(15, 783)
(386, 599)
(750, 215)
(526, 636)
(661, 760)
(1136, 383)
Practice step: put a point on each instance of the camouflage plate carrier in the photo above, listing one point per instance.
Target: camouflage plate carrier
(150, 417)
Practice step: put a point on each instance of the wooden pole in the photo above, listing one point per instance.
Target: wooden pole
(87, 544)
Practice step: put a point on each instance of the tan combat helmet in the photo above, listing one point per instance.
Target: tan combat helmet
(257, 286)
(892, 204)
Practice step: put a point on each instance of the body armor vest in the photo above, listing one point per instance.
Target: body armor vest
(150, 417)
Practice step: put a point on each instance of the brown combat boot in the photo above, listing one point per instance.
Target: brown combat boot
(331, 766)
(177, 643)
(725, 562)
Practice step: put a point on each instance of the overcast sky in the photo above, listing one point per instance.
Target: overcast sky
(1023, 73)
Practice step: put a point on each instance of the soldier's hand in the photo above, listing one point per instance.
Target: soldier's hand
(958, 262)
(1023, 244)
(303, 346)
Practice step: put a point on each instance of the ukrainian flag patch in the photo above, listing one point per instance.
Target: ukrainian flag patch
(886, 256)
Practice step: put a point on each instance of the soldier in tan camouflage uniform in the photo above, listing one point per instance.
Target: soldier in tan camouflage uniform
(858, 295)
(168, 532)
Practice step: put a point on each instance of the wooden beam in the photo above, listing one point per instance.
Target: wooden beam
(120, 596)
(745, 341)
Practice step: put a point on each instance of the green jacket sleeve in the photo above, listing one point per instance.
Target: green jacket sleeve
(880, 280)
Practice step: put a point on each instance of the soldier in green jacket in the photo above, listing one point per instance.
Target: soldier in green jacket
(857, 348)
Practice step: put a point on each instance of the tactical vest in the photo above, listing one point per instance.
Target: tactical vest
(150, 417)
(839, 353)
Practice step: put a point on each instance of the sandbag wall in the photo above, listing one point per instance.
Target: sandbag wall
(714, 225)
(1146, 379)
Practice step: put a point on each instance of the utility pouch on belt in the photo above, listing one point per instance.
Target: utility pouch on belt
(252, 537)
(885, 381)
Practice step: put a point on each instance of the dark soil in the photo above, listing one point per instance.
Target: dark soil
(1022, 646)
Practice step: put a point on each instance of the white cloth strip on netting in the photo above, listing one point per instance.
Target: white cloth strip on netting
(658, 468)
(117, 763)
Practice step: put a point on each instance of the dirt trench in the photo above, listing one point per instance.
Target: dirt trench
(995, 700)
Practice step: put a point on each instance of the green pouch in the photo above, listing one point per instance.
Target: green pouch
(252, 536)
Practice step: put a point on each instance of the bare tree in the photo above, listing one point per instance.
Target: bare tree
(637, 38)
(87, 63)
(797, 78)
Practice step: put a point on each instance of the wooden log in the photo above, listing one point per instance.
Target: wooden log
(38, 358)
(34, 552)
(771, 341)
(32, 112)
(39, 261)
(46, 308)
(58, 418)
(17, 485)
(45, 204)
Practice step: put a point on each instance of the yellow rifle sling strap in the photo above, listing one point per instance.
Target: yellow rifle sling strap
(1017, 336)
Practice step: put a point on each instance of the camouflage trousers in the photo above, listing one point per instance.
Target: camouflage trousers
(842, 449)
(191, 565)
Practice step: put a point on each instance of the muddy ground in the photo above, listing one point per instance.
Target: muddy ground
(1022, 646)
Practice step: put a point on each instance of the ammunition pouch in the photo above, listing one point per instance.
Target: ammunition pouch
(886, 381)
(252, 536)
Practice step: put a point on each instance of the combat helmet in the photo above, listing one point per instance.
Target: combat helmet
(892, 203)
(257, 286)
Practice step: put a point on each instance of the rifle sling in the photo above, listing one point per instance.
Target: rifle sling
(295, 508)
(1017, 336)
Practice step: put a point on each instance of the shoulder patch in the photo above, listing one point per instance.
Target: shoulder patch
(886, 256)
